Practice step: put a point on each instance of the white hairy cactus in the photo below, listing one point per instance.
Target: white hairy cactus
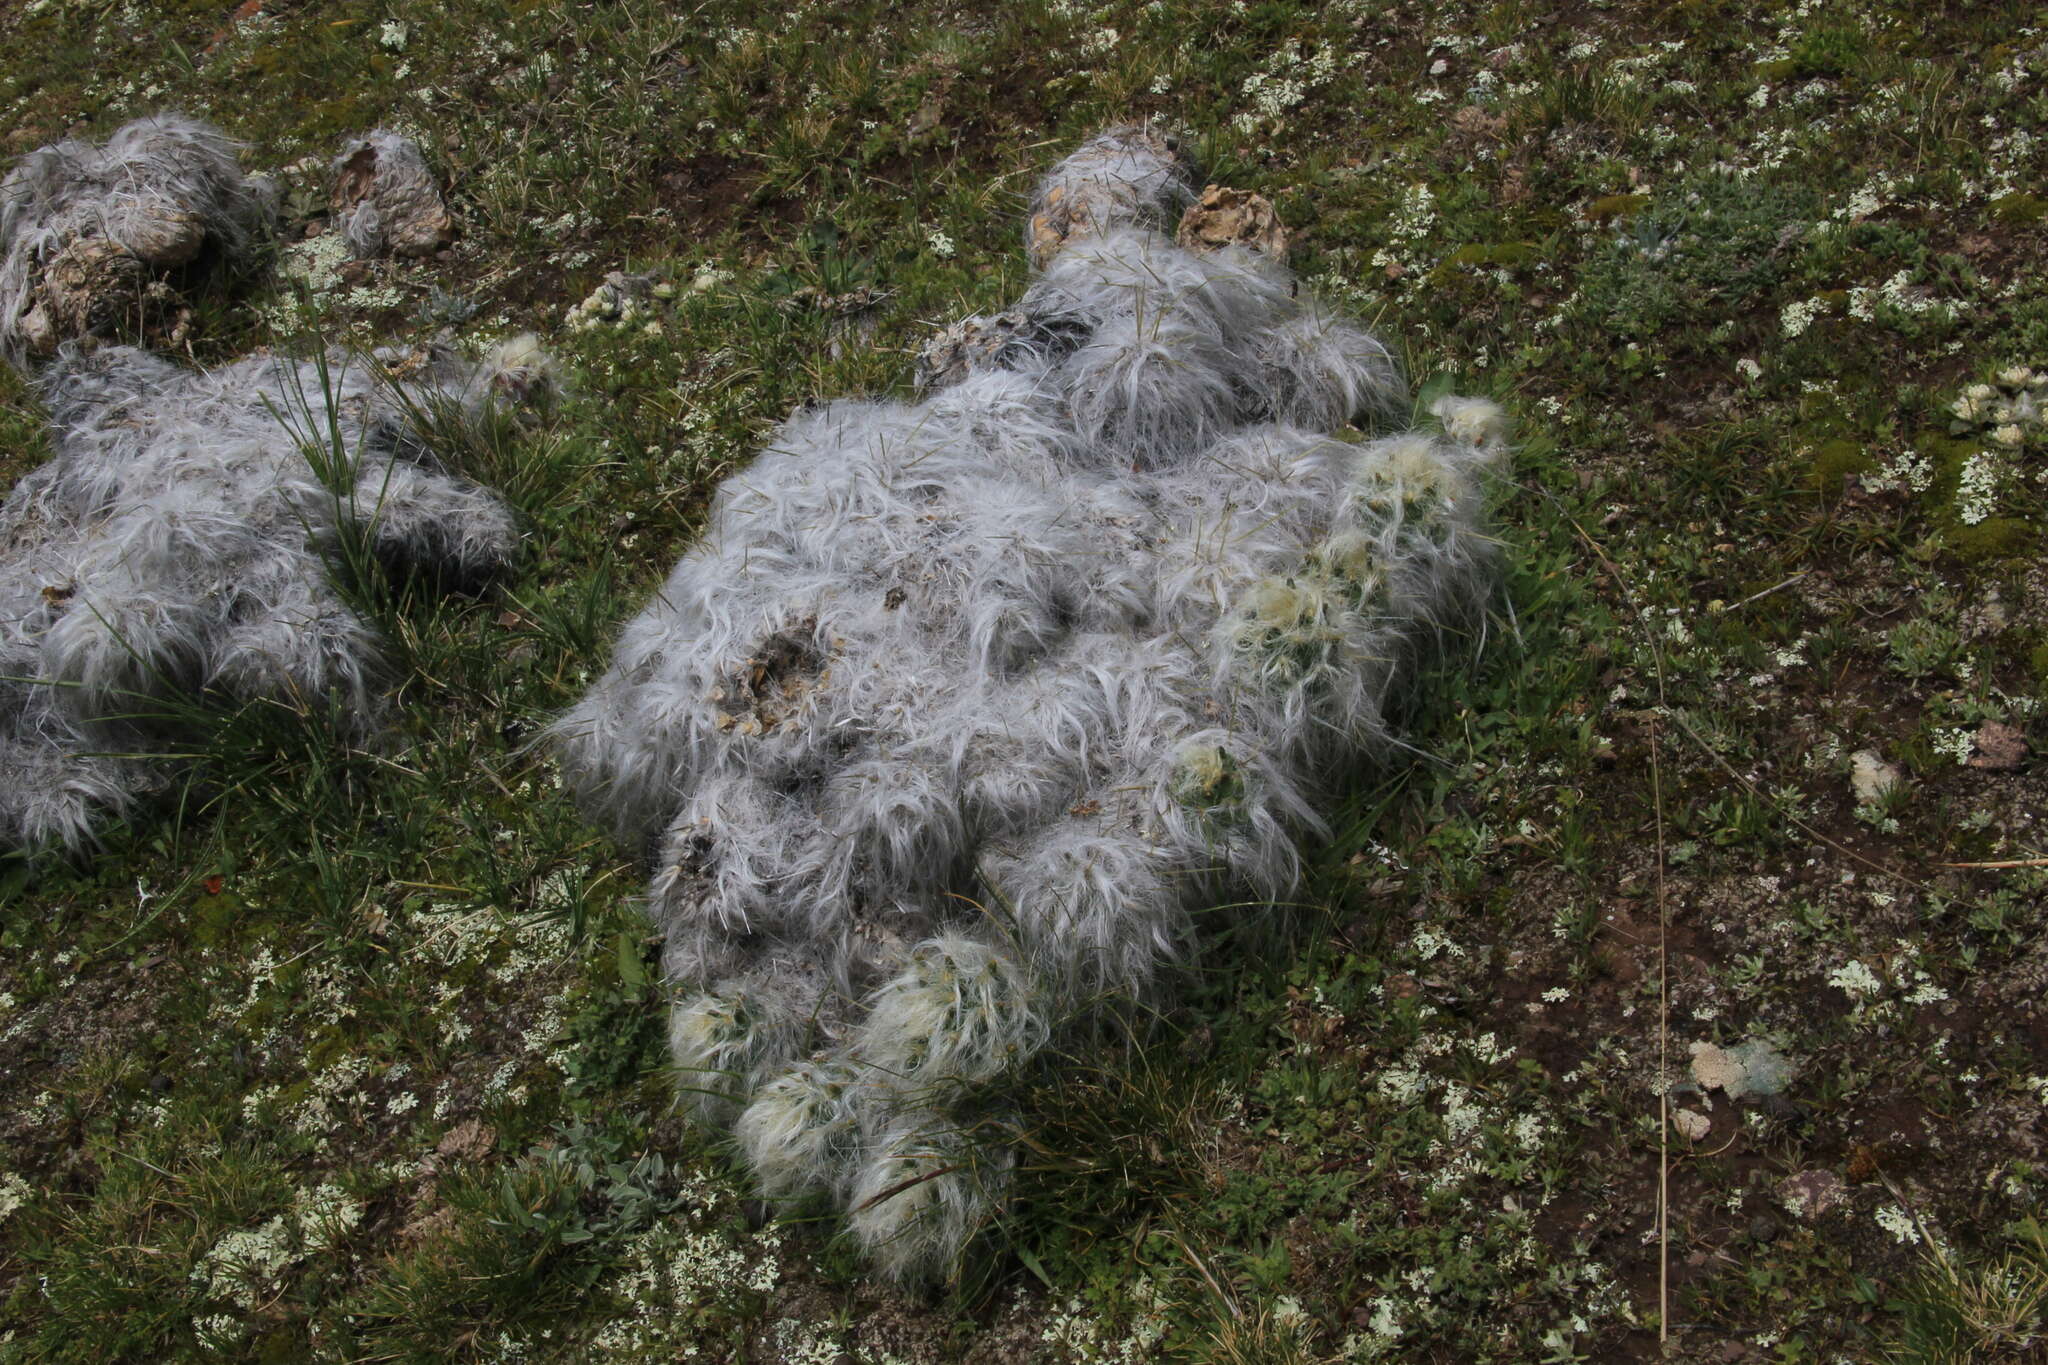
(89, 234)
(962, 707)
(181, 540)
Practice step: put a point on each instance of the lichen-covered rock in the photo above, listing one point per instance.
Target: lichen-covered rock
(962, 708)
(622, 300)
(386, 200)
(181, 540)
(90, 236)
(1871, 779)
(1227, 217)
(88, 288)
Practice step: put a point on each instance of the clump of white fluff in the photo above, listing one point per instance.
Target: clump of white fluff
(962, 707)
(725, 1045)
(181, 539)
(923, 1191)
(1473, 421)
(959, 1010)
(519, 370)
(88, 234)
(802, 1128)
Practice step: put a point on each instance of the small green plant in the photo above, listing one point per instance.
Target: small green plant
(1702, 243)
(1926, 644)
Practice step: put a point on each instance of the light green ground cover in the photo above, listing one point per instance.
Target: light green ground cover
(356, 1056)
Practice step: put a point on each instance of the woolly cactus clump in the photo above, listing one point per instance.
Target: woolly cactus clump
(182, 539)
(963, 706)
(89, 236)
